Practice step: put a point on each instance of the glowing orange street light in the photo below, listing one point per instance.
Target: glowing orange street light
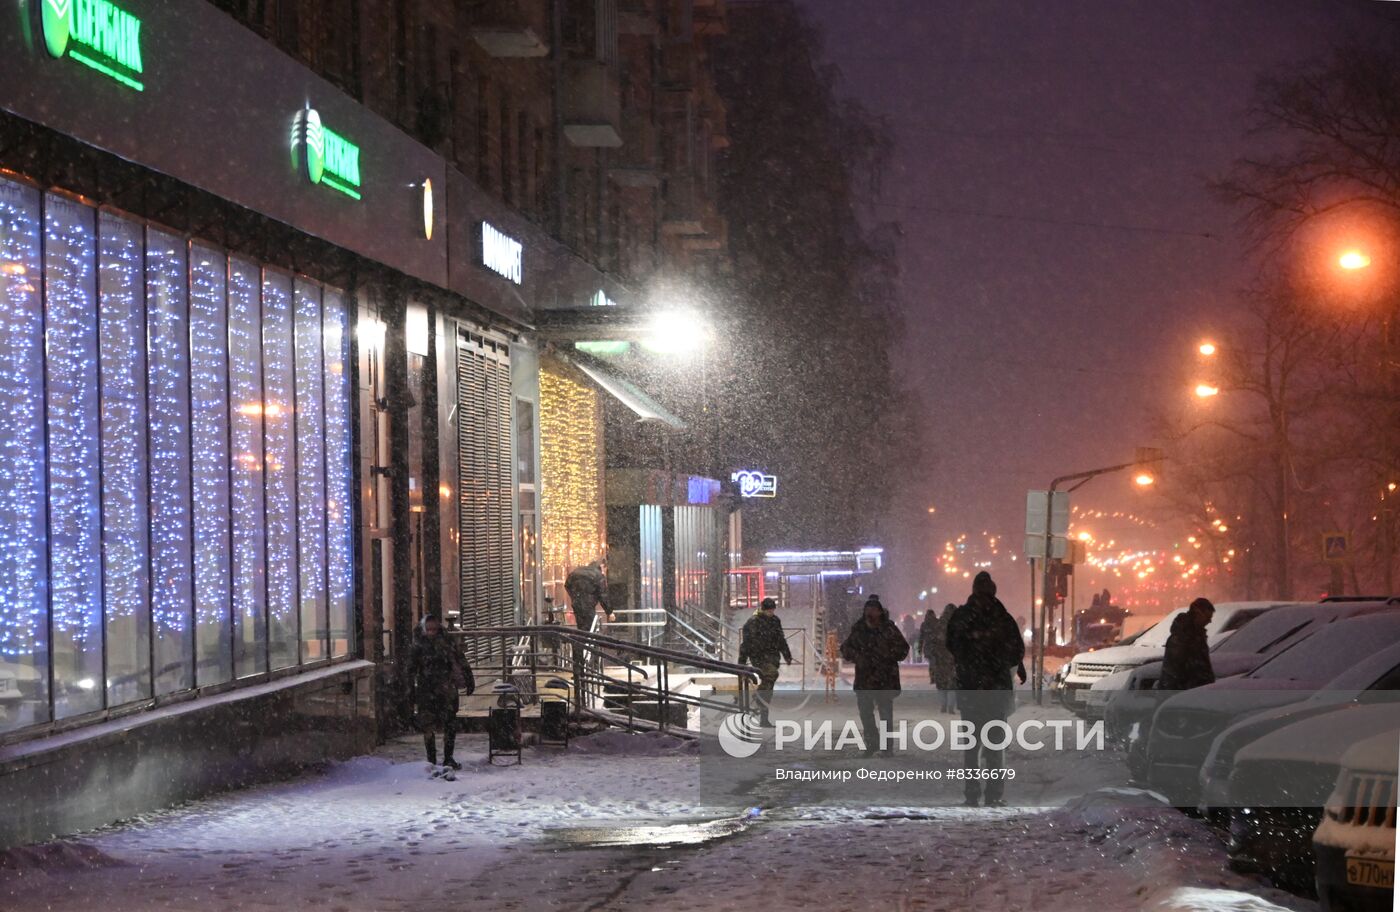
(1207, 349)
(1205, 390)
(1353, 260)
(1144, 479)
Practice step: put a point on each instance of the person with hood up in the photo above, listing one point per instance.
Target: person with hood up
(437, 670)
(986, 645)
(934, 637)
(763, 645)
(587, 588)
(1186, 663)
(876, 647)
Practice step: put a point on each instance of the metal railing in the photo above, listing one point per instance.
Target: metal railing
(608, 673)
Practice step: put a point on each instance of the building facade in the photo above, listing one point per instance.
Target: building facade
(270, 274)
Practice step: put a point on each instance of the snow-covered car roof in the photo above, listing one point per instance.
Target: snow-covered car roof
(1326, 737)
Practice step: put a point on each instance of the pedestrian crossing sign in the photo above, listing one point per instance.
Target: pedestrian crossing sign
(1334, 547)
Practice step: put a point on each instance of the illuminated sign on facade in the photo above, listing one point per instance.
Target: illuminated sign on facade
(755, 484)
(501, 253)
(96, 33)
(600, 299)
(323, 155)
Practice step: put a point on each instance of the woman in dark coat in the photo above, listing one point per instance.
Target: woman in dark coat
(876, 647)
(436, 672)
(934, 635)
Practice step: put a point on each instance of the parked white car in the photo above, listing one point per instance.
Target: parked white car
(1087, 668)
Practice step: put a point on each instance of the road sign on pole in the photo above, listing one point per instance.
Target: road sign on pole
(1334, 547)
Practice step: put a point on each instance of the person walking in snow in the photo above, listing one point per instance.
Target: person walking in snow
(876, 647)
(1186, 663)
(763, 645)
(986, 645)
(587, 588)
(437, 671)
(934, 637)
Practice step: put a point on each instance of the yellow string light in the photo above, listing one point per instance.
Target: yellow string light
(572, 531)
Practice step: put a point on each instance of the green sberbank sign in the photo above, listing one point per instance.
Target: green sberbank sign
(96, 33)
(324, 156)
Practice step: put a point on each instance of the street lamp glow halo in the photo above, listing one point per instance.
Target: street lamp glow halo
(1353, 260)
(1207, 349)
(1205, 390)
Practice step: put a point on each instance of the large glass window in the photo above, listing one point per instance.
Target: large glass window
(246, 396)
(339, 485)
(311, 472)
(209, 429)
(279, 398)
(125, 530)
(75, 572)
(24, 620)
(175, 450)
(167, 327)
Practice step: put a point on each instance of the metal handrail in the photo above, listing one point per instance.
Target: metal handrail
(622, 646)
(592, 683)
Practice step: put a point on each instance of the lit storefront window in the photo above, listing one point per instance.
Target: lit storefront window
(189, 519)
(572, 529)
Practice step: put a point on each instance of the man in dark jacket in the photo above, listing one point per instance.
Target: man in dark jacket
(763, 645)
(587, 588)
(1186, 663)
(986, 645)
(436, 672)
(876, 647)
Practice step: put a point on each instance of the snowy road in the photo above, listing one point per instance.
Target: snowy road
(378, 834)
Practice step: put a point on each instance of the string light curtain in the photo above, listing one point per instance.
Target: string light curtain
(24, 615)
(175, 448)
(572, 530)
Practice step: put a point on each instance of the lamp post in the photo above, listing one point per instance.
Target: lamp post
(1143, 477)
(1357, 261)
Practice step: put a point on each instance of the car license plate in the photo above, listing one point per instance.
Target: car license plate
(1364, 872)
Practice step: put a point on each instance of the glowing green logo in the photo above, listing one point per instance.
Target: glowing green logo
(56, 13)
(325, 156)
(97, 34)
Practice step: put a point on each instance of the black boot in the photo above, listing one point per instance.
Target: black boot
(449, 739)
(430, 743)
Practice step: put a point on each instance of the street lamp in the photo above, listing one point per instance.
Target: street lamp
(1207, 349)
(1353, 260)
(1205, 390)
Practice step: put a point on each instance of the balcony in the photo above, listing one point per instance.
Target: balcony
(592, 105)
(506, 29)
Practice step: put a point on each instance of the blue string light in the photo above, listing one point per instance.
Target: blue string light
(23, 539)
(209, 428)
(311, 462)
(167, 322)
(280, 459)
(339, 534)
(70, 325)
(245, 391)
(125, 529)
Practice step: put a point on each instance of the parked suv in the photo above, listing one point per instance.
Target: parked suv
(1355, 843)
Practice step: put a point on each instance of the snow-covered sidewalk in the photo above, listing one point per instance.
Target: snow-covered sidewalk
(617, 822)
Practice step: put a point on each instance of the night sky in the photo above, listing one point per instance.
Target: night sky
(1041, 342)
